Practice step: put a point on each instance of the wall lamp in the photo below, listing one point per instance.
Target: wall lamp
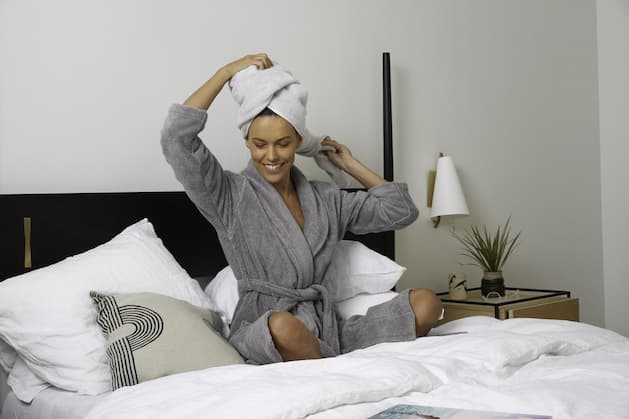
(445, 195)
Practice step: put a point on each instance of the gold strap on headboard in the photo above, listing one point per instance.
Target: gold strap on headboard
(27, 243)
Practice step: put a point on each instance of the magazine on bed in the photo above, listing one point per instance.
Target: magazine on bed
(407, 411)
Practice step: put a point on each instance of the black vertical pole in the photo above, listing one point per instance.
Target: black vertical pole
(388, 135)
(387, 119)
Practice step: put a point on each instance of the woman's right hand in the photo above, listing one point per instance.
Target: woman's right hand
(261, 61)
(203, 97)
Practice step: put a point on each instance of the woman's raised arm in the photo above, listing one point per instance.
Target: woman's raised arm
(196, 168)
(203, 97)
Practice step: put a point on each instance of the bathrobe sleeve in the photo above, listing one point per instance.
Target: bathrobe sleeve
(213, 190)
(384, 207)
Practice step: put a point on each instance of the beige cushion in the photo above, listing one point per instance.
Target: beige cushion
(152, 335)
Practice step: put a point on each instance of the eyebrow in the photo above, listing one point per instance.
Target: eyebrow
(279, 139)
(262, 139)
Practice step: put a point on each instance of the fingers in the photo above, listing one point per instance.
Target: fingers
(261, 61)
(338, 147)
(330, 142)
(340, 150)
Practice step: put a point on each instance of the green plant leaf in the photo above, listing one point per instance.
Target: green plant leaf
(487, 250)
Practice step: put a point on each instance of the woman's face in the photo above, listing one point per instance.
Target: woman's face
(272, 142)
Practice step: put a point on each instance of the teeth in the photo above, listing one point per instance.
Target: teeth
(272, 166)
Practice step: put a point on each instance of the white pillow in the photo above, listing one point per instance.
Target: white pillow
(359, 304)
(7, 356)
(4, 388)
(360, 271)
(48, 317)
(24, 383)
(223, 293)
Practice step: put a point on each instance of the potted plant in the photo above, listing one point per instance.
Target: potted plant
(489, 252)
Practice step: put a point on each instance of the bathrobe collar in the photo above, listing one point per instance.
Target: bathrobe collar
(307, 242)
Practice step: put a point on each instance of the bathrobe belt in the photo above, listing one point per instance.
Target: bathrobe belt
(290, 297)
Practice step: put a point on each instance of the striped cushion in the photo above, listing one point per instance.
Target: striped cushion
(152, 335)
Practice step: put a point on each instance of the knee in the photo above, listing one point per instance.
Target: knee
(426, 306)
(281, 323)
(292, 338)
(285, 327)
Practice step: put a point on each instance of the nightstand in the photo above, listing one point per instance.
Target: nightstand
(517, 302)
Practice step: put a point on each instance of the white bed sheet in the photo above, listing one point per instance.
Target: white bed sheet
(4, 388)
(50, 403)
(564, 369)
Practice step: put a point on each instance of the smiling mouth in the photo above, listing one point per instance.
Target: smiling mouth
(273, 167)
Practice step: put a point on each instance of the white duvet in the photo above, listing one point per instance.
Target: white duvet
(563, 369)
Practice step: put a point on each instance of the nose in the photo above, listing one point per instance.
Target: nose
(271, 154)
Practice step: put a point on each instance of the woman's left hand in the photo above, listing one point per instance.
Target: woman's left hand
(341, 156)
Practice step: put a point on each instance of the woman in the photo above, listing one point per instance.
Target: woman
(279, 231)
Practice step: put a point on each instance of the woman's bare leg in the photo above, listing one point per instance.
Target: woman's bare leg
(291, 337)
(427, 308)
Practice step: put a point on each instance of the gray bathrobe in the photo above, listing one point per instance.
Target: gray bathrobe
(279, 267)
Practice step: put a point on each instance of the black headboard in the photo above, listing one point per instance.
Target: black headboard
(63, 225)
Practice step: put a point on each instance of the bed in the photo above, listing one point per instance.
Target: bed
(549, 367)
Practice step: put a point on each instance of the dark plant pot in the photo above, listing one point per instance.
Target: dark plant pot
(492, 282)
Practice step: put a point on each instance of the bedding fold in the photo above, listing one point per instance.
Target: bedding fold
(246, 391)
(521, 365)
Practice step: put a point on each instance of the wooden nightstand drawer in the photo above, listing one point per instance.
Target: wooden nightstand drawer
(543, 304)
(566, 309)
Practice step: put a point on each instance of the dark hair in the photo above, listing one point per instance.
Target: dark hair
(269, 112)
(263, 112)
(266, 112)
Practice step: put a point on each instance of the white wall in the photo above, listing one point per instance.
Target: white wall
(508, 88)
(511, 94)
(613, 70)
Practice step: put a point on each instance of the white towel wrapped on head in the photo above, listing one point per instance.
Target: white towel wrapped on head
(276, 88)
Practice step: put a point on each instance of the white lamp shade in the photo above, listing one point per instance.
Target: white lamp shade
(448, 198)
